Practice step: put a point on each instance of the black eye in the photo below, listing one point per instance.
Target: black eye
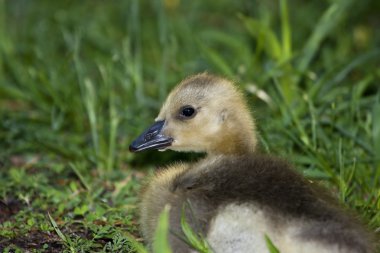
(187, 112)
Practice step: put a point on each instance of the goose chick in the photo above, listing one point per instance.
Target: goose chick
(237, 197)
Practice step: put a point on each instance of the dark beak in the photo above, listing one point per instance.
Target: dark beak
(151, 139)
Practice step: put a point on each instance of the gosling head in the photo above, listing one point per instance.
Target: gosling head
(204, 113)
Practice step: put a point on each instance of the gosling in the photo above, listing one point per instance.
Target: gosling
(237, 197)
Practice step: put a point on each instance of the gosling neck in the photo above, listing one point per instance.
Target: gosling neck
(239, 143)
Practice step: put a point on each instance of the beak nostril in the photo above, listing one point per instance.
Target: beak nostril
(151, 139)
(149, 136)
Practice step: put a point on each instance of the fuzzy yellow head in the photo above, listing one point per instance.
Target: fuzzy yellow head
(204, 113)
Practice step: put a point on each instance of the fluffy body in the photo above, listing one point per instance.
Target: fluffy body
(235, 195)
(237, 200)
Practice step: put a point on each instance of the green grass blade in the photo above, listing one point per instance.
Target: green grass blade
(329, 20)
(139, 247)
(82, 179)
(271, 247)
(113, 119)
(161, 242)
(194, 240)
(265, 36)
(163, 41)
(3, 37)
(218, 61)
(376, 129)
(56, 229)
(65, 239)
(90, 104)
(135, 66)
(285, 31)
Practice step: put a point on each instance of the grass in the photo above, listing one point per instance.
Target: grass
(78, 81)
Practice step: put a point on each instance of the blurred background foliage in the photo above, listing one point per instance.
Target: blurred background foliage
(86, 69)
(80, 79)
